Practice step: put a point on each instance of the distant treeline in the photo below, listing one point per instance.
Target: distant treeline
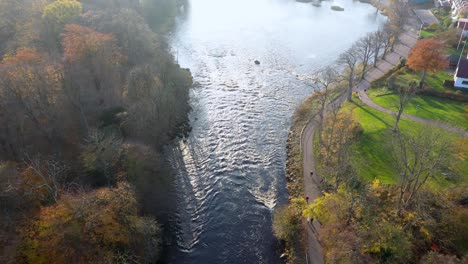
(88, 95)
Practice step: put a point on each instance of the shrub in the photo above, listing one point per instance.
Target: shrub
(286, 223)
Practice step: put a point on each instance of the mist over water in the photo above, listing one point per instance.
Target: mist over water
(230, 170)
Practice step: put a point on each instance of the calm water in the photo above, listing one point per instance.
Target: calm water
(230, 170)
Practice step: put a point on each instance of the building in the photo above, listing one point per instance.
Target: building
(458, 5)
(462, 25)
(461, 75)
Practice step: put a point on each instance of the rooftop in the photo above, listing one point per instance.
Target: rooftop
(462, 70)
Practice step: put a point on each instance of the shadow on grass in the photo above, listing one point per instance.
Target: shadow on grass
(370, 113)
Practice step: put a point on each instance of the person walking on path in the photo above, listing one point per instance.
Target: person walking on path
(307, 199)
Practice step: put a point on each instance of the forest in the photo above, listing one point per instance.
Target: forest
(89, 94)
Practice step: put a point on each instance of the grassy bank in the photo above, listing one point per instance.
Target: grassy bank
(428, 107)
(372, 156)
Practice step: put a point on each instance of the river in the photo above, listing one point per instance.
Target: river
(230, 170)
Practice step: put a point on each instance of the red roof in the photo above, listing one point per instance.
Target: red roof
(462, 70)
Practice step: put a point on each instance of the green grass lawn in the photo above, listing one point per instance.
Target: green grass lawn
(373, 158)
(427, 34)
(434, 81)
(428, 107)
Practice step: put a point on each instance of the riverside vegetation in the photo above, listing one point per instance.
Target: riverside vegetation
(89, 93)
(394, 190)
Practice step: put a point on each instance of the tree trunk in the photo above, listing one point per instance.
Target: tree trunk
(400, 111)
(364, 68)
(376, 56)
(350, 85)
(423, 78)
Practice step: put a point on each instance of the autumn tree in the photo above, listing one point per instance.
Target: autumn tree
(98, 227)
(55, 16)
(92, 71)
(134, 37)
(287, 227)
(30, 97)
(156, 103)
(111, 5)
(10, 14)
(60, 12)
(337, 136)
(427, 56)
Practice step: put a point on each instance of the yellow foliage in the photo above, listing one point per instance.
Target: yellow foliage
(86, 229)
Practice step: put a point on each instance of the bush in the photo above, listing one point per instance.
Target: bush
(458, 95)
(286, 223)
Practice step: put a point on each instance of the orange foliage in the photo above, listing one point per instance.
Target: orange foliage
(23, 55)
(79, 42)
(427, 55)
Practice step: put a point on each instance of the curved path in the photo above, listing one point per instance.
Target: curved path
(366, 100)
(311, 182)
(314, 252)
(407, 40)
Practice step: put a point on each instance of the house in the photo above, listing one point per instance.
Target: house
(458, 5)
(445, 4)
(462, 25)
(461, 75)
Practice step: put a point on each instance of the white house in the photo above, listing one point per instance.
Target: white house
(461, 75)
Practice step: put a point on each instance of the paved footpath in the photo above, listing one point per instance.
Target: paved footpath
(406, 41)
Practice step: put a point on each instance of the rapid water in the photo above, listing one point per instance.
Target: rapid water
(230, 169)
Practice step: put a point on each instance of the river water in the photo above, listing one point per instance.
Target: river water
(231, 168)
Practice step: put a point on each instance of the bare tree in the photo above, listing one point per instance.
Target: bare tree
(418, 157)
(349, 60)
(378, 39)
(365, 51)
(388, 37)
(322, 81)
(52, 175)
(405, 95)
(398, 14)
(338, 134)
